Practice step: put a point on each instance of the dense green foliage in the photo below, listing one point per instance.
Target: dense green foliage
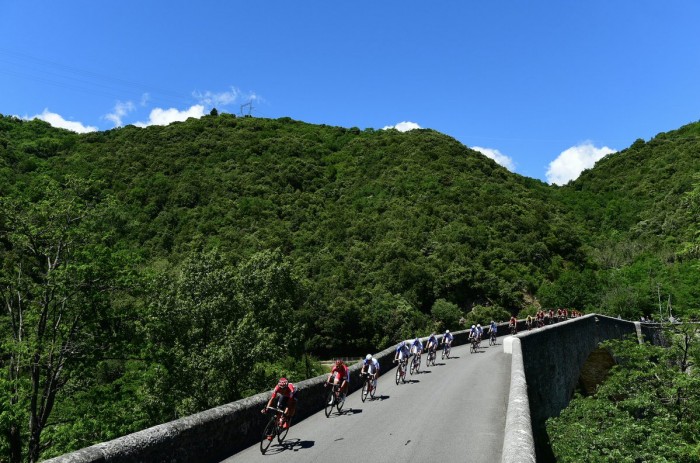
(230, 249)
(647, 410)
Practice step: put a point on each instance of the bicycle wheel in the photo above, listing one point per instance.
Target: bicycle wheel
(270, 430)
(447, 354)
(398, 374)
(282, 432)
(418, 364)
(412, 367)
(340, 402)
(330, 402)
(373, 390)
(443, 353)
(365, 390)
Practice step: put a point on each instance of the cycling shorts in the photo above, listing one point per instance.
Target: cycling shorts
(282, 401)
(340, 377)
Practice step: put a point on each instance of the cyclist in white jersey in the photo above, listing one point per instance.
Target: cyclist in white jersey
(370, 365)
(447, 338)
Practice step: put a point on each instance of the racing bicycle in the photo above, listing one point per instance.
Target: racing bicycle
(334, 399)
(367, 386)
(274, 428)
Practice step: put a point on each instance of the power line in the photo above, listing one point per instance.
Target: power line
(74, 78)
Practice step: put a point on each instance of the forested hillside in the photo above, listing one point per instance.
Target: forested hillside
(641, 210)
(154, 272)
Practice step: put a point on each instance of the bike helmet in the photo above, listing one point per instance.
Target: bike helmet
(447, 331)
(473, 326)
(338, 362)
(478, 326)
(283, 383)
(368, 357)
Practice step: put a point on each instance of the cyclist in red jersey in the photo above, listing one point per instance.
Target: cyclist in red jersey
(287, 399)
(340, 375)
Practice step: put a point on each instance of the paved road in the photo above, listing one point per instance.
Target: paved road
(454, 411)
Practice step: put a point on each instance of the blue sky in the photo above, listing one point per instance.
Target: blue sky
(544, 87)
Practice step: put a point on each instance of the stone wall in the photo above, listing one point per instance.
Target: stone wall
(553, 357)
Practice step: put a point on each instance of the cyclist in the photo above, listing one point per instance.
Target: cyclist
(493, 328)
(479, 332)
(431, 345)
(528, 322)
(447, 340)
(370, 366)
(287, 400)
(402, 351)
(340, 375)
(417, 347)
(473, 334)
(513, 324)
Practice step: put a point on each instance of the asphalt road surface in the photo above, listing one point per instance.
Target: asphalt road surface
(454, 411)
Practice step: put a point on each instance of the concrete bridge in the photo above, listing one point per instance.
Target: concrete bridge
(492, 404)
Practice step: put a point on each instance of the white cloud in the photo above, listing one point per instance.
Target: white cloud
(497, 156)
(571, 162)
(145, 98)
(161, 116)
(403, 126)
(120, 110)
(209, 98)
(57, 120)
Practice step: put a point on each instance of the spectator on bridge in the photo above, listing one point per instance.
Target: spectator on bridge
(287, 400)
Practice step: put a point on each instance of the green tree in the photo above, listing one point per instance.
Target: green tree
(646, 410)
(55, 278)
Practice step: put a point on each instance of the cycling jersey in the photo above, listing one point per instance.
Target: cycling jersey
(447, 337)
(402, 351)
(432, 339)
(472, 333)
(480, 331)
(417, 344)
(493, 328)
(372, 365)
(341, 371)
(288, 392)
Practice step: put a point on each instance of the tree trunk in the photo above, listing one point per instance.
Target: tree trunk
(15, 440)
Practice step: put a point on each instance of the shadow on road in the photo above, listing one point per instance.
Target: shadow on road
(292, 445)
(350, 411)
(380, 397)
(408, 381)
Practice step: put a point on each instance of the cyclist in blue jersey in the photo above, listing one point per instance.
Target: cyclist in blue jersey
(402, 351)
(473, 334)
(493, 328)
(432, 343)
(447, 340)
(479, 333)
(417, 347)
